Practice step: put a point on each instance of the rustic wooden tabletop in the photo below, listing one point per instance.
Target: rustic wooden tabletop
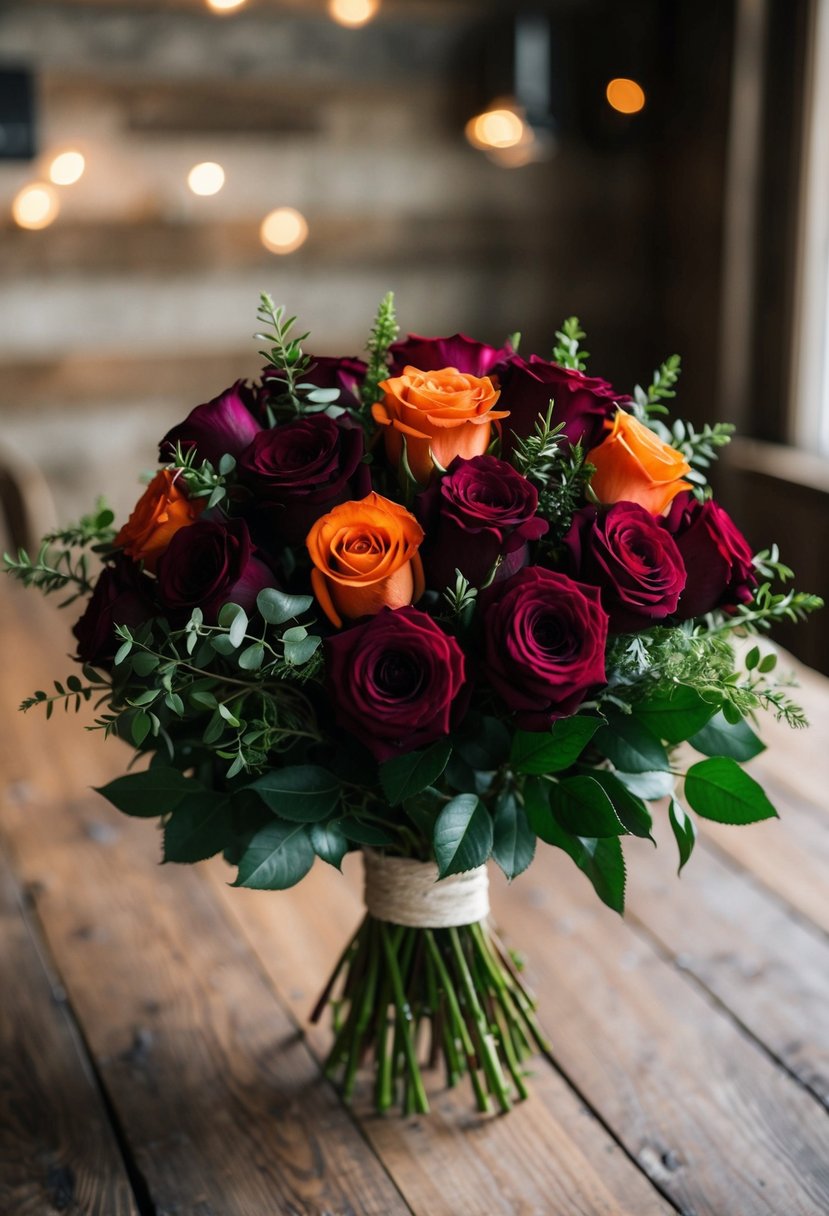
(155, 1056)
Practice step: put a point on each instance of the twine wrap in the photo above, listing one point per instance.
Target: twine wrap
(407, 892)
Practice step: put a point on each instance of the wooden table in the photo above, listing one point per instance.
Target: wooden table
(155, 1056)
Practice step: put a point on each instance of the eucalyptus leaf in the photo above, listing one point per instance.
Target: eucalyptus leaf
(277, 607)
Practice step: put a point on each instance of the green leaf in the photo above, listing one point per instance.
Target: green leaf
(551, 751)
(222, 644)
(581, 806)
(143, 663)
(423, 810)
(676, 717)
(631, 810)
(140, 727)
(483, 742)
(276, 858)
(718, 789)
(305, 793)
(404, 776)
(513, 841)
(684, 829)
(199, 827)
(277, 607)
(601, 860)
(722, 738)
(252, 657)
(229, 716)
(153, 792)
(364, 833)
(227, 464)
(122, 652)
(300, 651)
(752, 658)
(630, 746)
(651, 787)
(329, 843)
(463, 835)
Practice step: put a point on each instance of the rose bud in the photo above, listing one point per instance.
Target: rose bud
(717, 556)
(345, 374)
(544, 644)
(299, 470)
(442, 414)
(393, 680)
(365, 557)
(210, 565)
(583, 403)
(224, 425)
(460, 352)
(161, 511)
(480, 511)
(634, 465)
(633, 561)
(121, 596)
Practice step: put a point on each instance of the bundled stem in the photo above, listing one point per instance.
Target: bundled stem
(405, 996)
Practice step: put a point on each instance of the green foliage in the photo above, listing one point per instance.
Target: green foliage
(719, 737)
(329, 843)
(582, 807)
(513, 840)
(73, 691)
(600, 859)
(383, 333)
(461, 600)
(463, 835)
(719, 789)
(404, 776)
(684, 830)
(199, 827)
(155, 791)
(676, 716)
(93, 530)
(553, 750)
(630, 746)
(649, 401)
(201, 478)
(284, 353)
(631, 810)
(566, 352)
(558, 468)
(700, 448)
(277, 857)
(303, 793)
(52, 570)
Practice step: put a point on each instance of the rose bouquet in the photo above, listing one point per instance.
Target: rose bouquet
(436, 606)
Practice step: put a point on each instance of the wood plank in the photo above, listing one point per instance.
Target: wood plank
(57, 1147)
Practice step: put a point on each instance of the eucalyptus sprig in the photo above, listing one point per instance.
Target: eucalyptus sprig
(566, 352)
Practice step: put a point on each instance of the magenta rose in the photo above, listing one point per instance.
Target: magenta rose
(482, 509)
(544, 644)
(717, 557)
(432, 354)
(224, 425)
(582, 403)
(633, 561)
(209, 564)
(123, 595)
(394, 681)
(345, 374)
(299, 470)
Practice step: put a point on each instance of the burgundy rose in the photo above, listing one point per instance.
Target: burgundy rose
(717, 557)
(209, 564)
(482, 509)
(225, 424)
(582, 403)
(346, 374)
(633, 561)
(393, 681)
(544, 644)
(122, 596)
(432, 354)
(300, 470)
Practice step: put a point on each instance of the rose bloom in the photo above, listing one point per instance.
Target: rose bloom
(345, 374)
(394, 680)
(717, 556)
(481, 510)
(121, 596)
(161, 511)
(460, 352)
(544, 644)
(209, 565)
(224, 425)
(633, 561)
(583, 403)
(300, 469)
(365, 557)
(442, 414)
(634, 465)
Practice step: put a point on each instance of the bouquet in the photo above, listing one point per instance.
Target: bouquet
(439, 606)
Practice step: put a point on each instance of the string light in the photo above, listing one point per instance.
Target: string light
(67, 168)
(35, 206)
(283, 230)
(625, 95)
(206, 178)
(499, 127)
(352, 13)
(224, 6)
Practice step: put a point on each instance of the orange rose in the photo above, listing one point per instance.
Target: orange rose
(634, 465)
(161, 510)
(365, 558)
(443, 414)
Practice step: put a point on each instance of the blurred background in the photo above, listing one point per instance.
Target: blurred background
(659, 167)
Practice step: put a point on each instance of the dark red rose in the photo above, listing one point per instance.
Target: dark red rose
(544, 644)
(224, 425)
(628, 555)
(432, 354)
(394, 680)
(300, 470)
(717, 557)
(212, 565)
(582, 403)
(482, 509)
(123, 595)
(346, 374)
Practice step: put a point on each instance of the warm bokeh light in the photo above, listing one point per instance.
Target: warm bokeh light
(352, 13)
(67, 168)
(283, 230)
(35, 206)
(225, 6)
(625, 95)
(206, 178)
(496, 128)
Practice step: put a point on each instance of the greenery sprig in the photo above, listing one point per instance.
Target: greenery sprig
(52, 570)
(284, 354)
(384, 331)
(567, 352)
(648, 402)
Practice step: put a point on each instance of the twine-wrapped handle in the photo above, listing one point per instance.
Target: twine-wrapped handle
(404, 891)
